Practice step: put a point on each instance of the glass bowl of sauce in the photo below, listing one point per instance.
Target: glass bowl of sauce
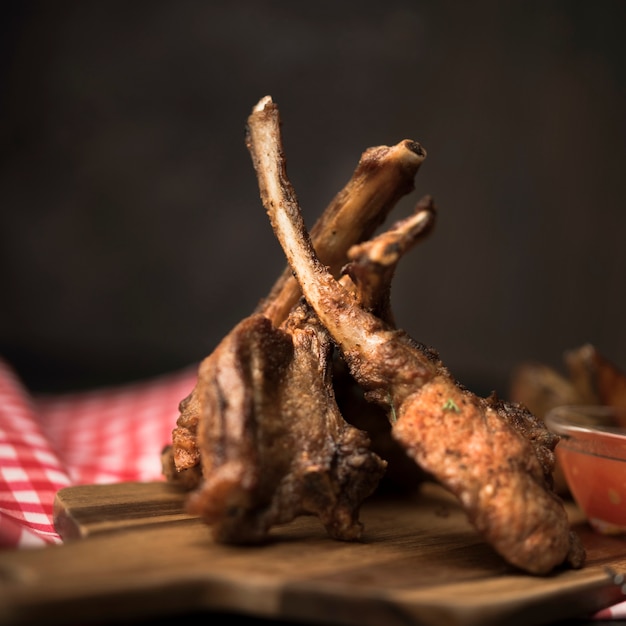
(592, 456)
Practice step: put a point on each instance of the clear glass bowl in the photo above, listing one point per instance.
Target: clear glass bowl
(592, 456)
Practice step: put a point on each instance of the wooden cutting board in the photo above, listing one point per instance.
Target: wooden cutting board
(131, 552)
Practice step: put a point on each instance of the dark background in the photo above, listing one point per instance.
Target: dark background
(132, 237)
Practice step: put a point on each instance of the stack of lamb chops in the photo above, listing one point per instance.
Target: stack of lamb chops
(262, 438)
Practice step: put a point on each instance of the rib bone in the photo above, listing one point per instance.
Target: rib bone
(383, 175)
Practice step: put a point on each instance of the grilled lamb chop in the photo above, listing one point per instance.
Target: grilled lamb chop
(590, 378)
(272, 442)
(383, 175)
(598, 376)
(484, 451)
(260, 439)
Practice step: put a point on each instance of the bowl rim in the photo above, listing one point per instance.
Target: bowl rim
(561, 420)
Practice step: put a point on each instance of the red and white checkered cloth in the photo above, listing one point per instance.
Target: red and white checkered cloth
(101, 436)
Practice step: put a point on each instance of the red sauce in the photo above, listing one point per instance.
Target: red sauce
(598, 485)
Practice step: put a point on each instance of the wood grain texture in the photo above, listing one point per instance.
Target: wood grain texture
(130, 551)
